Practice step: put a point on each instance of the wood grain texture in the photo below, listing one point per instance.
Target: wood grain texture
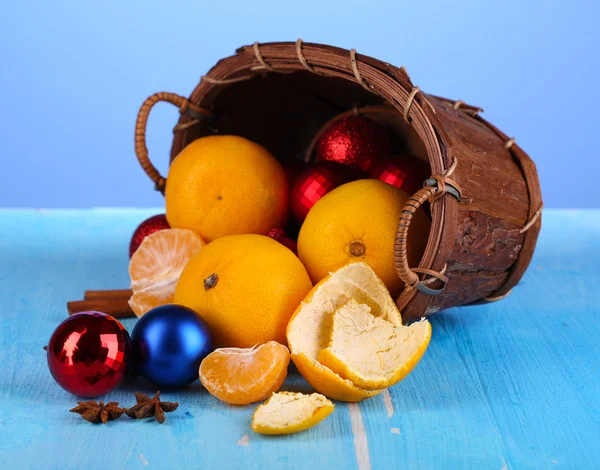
(485, 249)
(513, 384)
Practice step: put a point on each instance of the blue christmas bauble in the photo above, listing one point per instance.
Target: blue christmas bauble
(169, 342)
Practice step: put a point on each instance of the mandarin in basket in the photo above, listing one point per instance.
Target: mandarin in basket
(155, 267)
(357, 222)
(240, 376)
(225, 185)
(246, 287)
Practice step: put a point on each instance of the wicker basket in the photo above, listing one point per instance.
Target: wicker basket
(484, 193)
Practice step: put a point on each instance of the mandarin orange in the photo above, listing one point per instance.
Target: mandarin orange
(155, 267)
(241, 376)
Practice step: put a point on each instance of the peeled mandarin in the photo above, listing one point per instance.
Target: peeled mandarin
(155, 267)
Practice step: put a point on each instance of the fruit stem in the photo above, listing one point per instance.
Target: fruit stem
(211, 281)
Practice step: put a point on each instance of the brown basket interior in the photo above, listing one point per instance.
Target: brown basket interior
(283, 112)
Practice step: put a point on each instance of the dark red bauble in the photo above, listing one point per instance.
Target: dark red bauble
(293, 169)
(316, 181)
(278, 234)
(354, 141)
(406, 172)
(89, 354)
(147, 227)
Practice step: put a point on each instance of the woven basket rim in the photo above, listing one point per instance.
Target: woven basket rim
(427, 114)
(391, 83)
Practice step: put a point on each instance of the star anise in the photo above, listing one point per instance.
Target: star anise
(147, 407)
(98, 412)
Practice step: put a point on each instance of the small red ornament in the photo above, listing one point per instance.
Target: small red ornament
(316, 181)
(147, 227)
(89, 354)
(278, 234)
(354, 141)
(406, 172)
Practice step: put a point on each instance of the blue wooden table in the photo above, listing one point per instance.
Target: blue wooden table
(509, 385)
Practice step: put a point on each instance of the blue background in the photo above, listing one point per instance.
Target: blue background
(73, 74)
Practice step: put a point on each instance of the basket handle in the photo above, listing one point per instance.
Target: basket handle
(141, 151)
(434, 188)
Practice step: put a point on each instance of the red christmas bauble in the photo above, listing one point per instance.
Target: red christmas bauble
(354, 141)
(279, 235)
(147, 227)
(406, 172)
(293, 169)
(316, 181)
(89, 354)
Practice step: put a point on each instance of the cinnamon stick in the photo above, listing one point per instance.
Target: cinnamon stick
(117, 307)
(107, 294)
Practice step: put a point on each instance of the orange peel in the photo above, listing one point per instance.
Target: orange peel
(309, 330)
(370, 351)
(289, 412)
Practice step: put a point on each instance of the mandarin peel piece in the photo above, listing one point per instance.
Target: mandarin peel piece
(370, 351)
(309, 329)
(289, 412)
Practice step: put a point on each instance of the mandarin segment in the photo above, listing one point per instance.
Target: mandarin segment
(155, 267)
(370, 351)
(242, 376)
(289, 412)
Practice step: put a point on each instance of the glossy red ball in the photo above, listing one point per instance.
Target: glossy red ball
(89, 354)
(406, 172)
(293, 169)
(316, 181)
(147, 227)
(354, 141)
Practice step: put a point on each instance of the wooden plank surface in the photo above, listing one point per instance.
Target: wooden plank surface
(514, 384)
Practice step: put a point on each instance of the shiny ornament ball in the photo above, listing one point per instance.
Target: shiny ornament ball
(293, 169)
(354, 141)
(169, 343)
(316, 181)
(89, 354)
(278, 234)
(406, 172)
(147, 227)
